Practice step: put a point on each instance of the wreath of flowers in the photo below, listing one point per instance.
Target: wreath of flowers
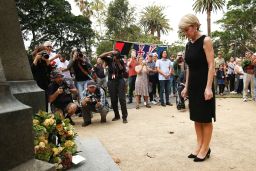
(54, 139)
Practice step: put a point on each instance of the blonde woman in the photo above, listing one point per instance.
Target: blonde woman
(199, 56)
(141, 83)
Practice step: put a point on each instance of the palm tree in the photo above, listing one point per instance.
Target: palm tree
(208, 6)
(153, 20)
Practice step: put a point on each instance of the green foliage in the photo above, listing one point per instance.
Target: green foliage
(52, 20)
(154, 20)
(239, 28)
(119, 17)
(175, 48)
(208, 5)
(104, 46)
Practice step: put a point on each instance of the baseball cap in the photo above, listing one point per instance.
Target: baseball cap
(55, 74)
(91, 84)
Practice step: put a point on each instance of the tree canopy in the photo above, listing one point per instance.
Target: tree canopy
(52, 20)
(238, 27)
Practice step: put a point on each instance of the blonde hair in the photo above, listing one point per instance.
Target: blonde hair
(189, 20)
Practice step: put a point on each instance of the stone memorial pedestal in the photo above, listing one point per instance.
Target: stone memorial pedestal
(15, 61)
(16, 140)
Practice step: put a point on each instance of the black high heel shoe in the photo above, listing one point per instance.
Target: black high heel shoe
(196, 159)
(191, 156)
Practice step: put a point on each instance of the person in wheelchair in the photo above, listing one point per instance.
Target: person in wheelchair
(94, 101)
(60, 96)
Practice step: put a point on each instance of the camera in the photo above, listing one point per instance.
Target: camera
(44, 54)
(65, 89)
(93, 98)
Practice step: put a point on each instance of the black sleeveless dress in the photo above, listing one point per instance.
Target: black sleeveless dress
(201, 111)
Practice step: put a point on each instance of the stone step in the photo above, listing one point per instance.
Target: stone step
(97, 158)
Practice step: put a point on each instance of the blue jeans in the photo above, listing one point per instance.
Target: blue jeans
(81, 86)
(164, 88)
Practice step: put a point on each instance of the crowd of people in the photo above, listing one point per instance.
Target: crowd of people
(236, 76)
(153, 80)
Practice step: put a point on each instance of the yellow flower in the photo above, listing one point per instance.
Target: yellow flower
(48, 122)
(69, 143)
(35, 122)
(70, 133)
(60, 149)
(42, 145)
(51, 121)
(55, 151)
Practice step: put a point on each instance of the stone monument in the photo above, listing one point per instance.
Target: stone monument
(16, 82)
(14, 59)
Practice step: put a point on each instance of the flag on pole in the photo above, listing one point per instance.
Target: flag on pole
(141, 49)
(123, 47)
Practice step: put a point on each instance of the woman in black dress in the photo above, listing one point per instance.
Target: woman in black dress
(199, 56)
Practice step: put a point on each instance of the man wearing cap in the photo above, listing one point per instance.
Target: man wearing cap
(151, 77)
(116, 83)
(59, 95)
(94, 101)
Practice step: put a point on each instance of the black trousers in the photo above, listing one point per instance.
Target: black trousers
(231, 78)
(117, 91)
(131, 80)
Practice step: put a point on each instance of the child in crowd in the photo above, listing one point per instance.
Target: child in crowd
(221, 79)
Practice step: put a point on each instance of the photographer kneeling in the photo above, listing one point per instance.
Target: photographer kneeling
(60, 96)
(94, 100)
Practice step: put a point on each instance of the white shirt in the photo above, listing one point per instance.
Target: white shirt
(64, 65)
(165, 66)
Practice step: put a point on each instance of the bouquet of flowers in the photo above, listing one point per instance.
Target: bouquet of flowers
(54, 139)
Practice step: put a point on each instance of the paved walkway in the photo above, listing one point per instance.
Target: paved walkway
(160, 138)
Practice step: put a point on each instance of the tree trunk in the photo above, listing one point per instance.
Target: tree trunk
(152, 31)
(158, 34)
(209, 22)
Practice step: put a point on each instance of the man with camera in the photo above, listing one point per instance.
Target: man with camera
(41, 70)
(116, 83)
(94, 101)
(60, 96)
(82, 70)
